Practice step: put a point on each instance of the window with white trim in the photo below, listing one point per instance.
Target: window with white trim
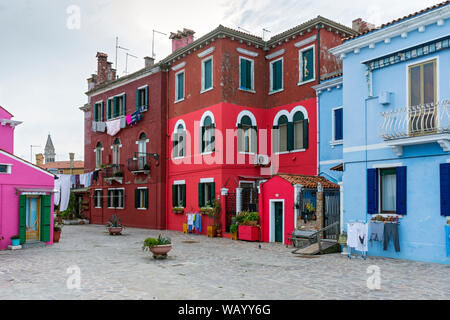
(98, 112)
(179, 195)
(5, 169)
(142, 99)
(276, 75)
(98, 198)
(116, 151)
(179, 85)
(179, 142)
(141, 198)
(306, 65)
(116, 198)
(247, 136)
(207, 74)
(246, 74)
(98, 155)
(338, 128)
(208, 135)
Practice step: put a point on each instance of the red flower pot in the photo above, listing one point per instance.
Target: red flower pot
(160, 251)
(115, 230)
(56, 236)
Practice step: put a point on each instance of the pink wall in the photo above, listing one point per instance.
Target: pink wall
(25, 176)
(276, 189)
(6, 132)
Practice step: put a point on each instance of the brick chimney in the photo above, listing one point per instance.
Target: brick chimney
(361, 26)
(181, 38)
(149, 62)
(105, 72)
(39, 159)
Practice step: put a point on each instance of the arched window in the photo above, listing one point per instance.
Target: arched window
(291, 130)
(300, 131)
(116, 151)
(283, 133)
(142, 151)
(98, 155)
(208, 135)
(247, 135)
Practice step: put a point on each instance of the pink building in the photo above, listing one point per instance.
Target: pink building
(26, 193)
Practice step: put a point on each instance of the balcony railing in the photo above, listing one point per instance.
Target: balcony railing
(139, 164)
(427, 119)
(113, 171)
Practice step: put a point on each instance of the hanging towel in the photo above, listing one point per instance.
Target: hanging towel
(198, 223)
(101, 126)
(376, 231)
(128, 118)
(113, 127)
(65, 191)
(57, 195)
(94, 126)
(357, 236)
(123, 123)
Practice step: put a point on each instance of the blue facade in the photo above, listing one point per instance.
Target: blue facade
(393, 142)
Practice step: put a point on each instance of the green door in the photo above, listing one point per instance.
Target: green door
(278, 222)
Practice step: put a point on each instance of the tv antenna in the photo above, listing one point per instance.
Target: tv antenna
(239, 28)
(264, 32)
(118, 47)
(126, 61)
(153, 41)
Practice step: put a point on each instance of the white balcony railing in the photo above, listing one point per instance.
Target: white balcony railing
(432, 118)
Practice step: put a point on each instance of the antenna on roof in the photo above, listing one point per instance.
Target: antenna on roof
(153, 41)
(126, 62)
(239, 28)
(264, 33)
(118, 47)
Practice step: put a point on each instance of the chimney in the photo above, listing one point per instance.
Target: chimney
(361, 26)
(182, 38)
(39, 159)
(149, 62)
(104, 71)
(71, 157)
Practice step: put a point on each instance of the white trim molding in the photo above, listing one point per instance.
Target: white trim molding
(442, 139)
(275, 54)
(387, 165)
(247, 52)
(246, 113)
(328, 85)
(25, 163)
(305, 42)
(206, 52)
(179, 182)
(207, 180)
(206, 114)
(300, 64)
(178, 66)
(180, 121)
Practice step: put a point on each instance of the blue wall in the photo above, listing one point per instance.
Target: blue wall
(422, 230)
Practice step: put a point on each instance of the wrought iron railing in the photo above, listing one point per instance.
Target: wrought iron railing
(113, 171)
(141, 161)
(430, 118)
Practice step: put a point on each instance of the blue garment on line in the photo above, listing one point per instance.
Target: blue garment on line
(198, 223)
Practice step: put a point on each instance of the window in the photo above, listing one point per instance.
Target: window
(388, 190)
(306, 65)
(299, 131)
(206, 194)
(207, 74)
(98, 155)
(116, 151)
(142, 99)
(179, 195)
(98, 199)
(179, 142)
(116, 198)
(179, 86)
(283, 134)
(247, 136)
(142, 151)
(208, 135)
(422, 97)
(291, 136)
(276, 75)
(98, 112)
(5, 168)
(246, 79)
(116, 107)
(141, 198)
(338, 128)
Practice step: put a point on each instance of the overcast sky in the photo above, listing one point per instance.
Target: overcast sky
(45, 58)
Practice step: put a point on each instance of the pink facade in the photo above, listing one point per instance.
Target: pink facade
(23, 186)
(6, 131)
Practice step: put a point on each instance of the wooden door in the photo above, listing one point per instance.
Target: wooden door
(33, 215)
(278, 222)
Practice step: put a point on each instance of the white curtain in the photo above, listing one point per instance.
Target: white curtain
(389, 186)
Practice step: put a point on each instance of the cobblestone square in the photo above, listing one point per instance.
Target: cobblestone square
(115, 267)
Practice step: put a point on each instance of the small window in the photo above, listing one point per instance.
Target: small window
(247, 135)
(98, 155)
(283, 132)
(208, 134)
(388, 190)
(179, 195)
(246, 67)
(116, 198)
(119, 106)
(306, 63)
(206, 194)
(179, 86)
(338, 132)
(299, 131)
(98, 112)
(179, 142)
(142, 99)
(98, 199)
(116, 151)
(141, 198)
(276, 75)
(207, 74)
(4, 168)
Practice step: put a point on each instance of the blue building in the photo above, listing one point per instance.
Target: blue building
(397, 131)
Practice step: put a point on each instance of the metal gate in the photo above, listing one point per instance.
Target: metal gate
(249, 199)
(230, 210)
(332, 213)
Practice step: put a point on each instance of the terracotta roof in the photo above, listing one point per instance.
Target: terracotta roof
(308, 181)
(339, 167)
(337, 75)
(63, 165)
(442, 4)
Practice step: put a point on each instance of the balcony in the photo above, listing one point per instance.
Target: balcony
(428, 123)
(140, 163)
(113, 172)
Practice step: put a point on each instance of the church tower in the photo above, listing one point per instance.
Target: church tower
(49, 151)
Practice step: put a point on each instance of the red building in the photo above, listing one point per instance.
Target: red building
(240, 110)
(131, 183)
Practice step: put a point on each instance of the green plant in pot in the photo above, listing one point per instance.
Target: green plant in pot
(114, 226)
(158, 246)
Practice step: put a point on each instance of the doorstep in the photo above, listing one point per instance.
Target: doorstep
(34, 244)
(10, 247)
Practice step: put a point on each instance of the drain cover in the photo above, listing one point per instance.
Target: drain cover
(190, 241)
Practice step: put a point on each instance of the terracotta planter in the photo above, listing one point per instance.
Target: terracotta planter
(115, 230)
(160, 251)
(56, 236)
(234, 236)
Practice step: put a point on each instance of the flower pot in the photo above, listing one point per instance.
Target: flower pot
(115, 230)
(15, 242)
(56, 236)
(211, 231)
(252, 223)
(160, 252)
(234, 236)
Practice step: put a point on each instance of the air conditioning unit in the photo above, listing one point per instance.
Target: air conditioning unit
(261, 160)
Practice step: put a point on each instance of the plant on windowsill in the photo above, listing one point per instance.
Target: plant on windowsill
(178, 209)
(114, 226)
(158, 246)
(118, 174)
(208, 209)
(146, 167)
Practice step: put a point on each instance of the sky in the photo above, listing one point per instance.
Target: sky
(48, 48)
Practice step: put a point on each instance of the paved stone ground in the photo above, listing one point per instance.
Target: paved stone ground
(115, 267)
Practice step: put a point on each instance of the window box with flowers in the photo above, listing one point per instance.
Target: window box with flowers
(248, 226)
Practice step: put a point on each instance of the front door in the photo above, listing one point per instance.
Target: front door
(278, 222)
(33, 213)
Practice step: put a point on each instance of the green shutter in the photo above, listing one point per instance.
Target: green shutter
(254, 139)
(102, 116)
(212, 189)
(116, 107)
(46, 218)
(95, 113)
(240, 137)
(202, 137)
(146, 97)
(305, 134)
(124, 109)
(183, 190)
(290, 136)
(136, 198)
(277, 75)
(22, 218)
(201, 195)
(138, 100)
(109, 109)
(276, 139)
(146, 198)
(244, 84)
(208, 74)
(174, 196)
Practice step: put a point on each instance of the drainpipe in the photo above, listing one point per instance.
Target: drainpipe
(317, 100)
(167, 156)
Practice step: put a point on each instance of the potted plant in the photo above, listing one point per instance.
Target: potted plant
(57, 228)
(15, 241)
(114, 226)
(118, 174)
(234, 231)
(207, 209)
(158, 246)
(248, 226)
(178, 209)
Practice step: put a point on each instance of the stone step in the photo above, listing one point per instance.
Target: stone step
(31, 245)
(313, 249)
